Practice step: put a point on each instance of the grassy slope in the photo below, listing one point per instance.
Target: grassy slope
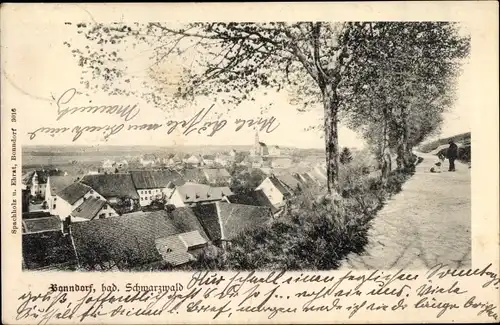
(463, 138)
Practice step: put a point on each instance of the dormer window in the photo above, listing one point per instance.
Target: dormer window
(169, 250)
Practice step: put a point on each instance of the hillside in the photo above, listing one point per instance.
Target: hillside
(440, 146)
(463, 138)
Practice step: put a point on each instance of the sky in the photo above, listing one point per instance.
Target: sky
(37, 71)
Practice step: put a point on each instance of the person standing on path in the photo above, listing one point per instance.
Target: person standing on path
(452, 154)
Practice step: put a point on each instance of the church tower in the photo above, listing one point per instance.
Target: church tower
(256, 145)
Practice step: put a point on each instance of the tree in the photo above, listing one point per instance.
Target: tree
(230, 59)
(401, 83)
(345, 156)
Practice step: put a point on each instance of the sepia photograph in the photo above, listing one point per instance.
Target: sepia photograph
(250, 163)
(247, 146)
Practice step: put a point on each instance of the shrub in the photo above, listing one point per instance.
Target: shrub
(316, 233)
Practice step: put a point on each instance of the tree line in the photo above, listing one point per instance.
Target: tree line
(390, 81)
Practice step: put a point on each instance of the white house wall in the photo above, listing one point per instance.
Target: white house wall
(272, 193)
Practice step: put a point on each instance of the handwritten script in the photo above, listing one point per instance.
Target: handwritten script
(201, 123)
(437, 293)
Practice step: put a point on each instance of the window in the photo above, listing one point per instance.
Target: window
(54, 206)
(149, 192)
(102, 216)
(169, 250)
(55, 198)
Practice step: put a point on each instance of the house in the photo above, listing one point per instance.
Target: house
(275, 190)
(219, 176)
(274, 151)
(224, 160)
(208, 160)
(282, 162)
(194, 160)
(71, 197)
(91, 209)
(121, 164)
(308, 179)
(37, 225)
(56, 184)
(253, 161)
(148, 160)
(224, 221)
(155, 185)
(134, 241)
(232, 153)
(36, 181)
(254, 198)
(194, 175)
(292, 183)
(108, 164)
(181, 248)
(191, 194)
(320, 171)
(117, 189)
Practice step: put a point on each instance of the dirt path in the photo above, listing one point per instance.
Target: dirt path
(428, 222)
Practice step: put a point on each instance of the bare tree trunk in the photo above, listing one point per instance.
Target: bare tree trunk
(330, 103)
(385, 154)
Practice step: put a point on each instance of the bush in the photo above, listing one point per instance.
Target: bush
(317, 231)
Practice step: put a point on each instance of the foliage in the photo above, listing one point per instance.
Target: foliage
(345, 156)
(246, 180)
(314, 234)
(402, 82)
(226, 62)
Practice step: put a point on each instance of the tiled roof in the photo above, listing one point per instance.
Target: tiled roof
(47, 248)
(185, 220)
(192, 239)
(173, 251)
(74, 192)
(279, 186)
(129, 239)
(256, 198)
(58, 183)
(193, 192)
(230, 219)
(293, 183)
(155, 179)
(28, 177)
(132, 237)
(35, 214)
(194, 175)
(89, 208)
(51, 223)
(217, 175)
(207, 215)
(238, 218)
(112, 185)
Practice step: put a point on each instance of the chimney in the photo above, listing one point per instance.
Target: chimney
(66, 225)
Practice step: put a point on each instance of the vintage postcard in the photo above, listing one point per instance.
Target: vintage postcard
(250, 163)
